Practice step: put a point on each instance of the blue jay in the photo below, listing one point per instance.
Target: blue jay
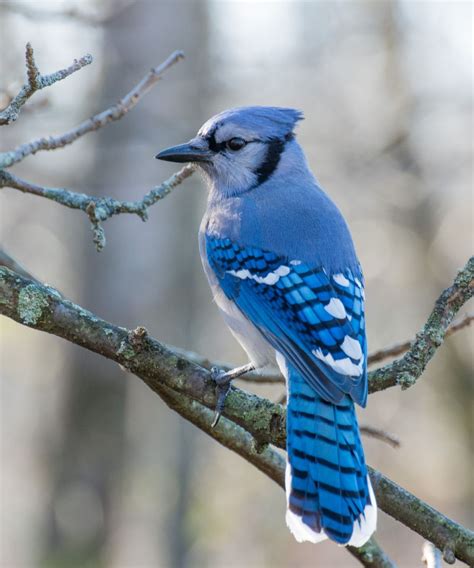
(283, 270)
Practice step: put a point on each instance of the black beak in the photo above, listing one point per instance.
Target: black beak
(184, 153)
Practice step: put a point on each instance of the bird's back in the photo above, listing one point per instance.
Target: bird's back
(289, 214)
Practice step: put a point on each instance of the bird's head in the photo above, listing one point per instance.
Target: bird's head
(240, 148)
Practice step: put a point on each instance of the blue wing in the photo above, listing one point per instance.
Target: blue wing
(314, 320)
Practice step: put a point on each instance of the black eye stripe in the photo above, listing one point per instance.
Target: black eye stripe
(213, 145)
(275, 149)
(219, 146)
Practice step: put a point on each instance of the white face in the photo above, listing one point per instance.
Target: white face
(237, 156)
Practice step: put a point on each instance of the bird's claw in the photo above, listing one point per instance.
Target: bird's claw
(222, 381)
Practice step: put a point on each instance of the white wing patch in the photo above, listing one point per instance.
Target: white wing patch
(270, 279)
(336, 308)
(351, 347)
(342, 366)
(341, 280)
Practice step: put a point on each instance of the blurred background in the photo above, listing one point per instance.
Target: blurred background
(95, 470)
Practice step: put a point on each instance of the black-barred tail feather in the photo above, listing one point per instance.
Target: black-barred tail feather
(328, 490)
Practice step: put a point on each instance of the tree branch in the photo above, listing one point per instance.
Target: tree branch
(98, 209)
(267, 460)
(113, 113)
(36, 82)
(42, 308)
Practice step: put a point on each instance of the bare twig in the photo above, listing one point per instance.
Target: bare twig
(98, 209)
(43, 308)
(400, 348)
(369, 431)
(431, 557)
(405, 371)
(115, 112)
(381, 435)
(36, 82)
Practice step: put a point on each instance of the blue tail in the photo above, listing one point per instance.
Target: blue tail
(328, 491)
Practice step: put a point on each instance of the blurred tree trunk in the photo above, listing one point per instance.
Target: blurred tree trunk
(109, 452)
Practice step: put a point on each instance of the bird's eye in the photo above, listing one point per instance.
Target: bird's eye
(236, 144)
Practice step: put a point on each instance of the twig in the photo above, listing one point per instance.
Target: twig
(405, 371)
(98, 209)
(43, 308)
(35, 82)
(381, 435)
(115, 112)
(369, 431)
(400, 348)
(431, 557)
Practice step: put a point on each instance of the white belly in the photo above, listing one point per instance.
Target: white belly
(259, 351)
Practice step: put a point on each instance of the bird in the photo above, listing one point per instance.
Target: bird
(283, 270)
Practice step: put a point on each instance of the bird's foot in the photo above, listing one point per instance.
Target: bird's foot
(223, 381)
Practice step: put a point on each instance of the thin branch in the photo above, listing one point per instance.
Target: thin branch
(369, 431)
(113, 113)
(35, 82)
(431, 557)
(400, 348)
(381, 435)
(42, 308)
(404, 372)
(98, 209)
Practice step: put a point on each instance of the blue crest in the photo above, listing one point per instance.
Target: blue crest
(269, 122)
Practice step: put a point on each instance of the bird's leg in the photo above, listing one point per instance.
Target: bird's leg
(223, 380)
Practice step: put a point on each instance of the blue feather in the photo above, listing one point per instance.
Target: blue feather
(328, 487)
(287, 300)
(291, 313)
